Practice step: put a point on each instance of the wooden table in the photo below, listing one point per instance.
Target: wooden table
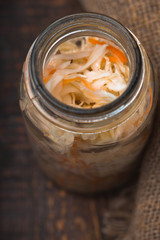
(31, 207)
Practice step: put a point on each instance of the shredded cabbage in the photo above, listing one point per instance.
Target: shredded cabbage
(87, 72)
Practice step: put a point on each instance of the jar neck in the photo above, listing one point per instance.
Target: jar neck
(85, 24)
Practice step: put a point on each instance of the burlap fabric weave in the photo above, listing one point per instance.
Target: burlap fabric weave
(135, 213)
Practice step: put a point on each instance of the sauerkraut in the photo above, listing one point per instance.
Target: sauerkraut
(92, 153)
(87, 72)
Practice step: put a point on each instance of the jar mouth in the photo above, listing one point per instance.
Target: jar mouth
(76, 25)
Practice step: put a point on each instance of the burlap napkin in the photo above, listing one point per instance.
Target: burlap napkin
(135, 212)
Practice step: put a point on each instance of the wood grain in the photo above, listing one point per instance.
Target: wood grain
(31, 207)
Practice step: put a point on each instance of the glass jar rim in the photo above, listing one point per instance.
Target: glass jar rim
(52, 104)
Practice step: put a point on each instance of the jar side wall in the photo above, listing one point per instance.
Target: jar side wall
(84, 167)
(89, 157)
(61, 153)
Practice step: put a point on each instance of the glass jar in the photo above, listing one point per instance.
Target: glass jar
(88, 150)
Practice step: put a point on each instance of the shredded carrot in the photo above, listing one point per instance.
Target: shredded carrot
(95, 41)
(87, 84)
(85, 59)
(113, 59)
(46, 79)
(118, 53)
(52, 71)
(114, 50)
(103, 62)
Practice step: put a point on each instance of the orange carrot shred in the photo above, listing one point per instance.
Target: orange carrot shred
(85, 59)
(46, 79)
(114, 50)
(118, 53)
(103, 62)
(95, 41)
(113, 59)
(52, 71)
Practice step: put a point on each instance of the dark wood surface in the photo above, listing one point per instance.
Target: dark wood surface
(31, 207)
